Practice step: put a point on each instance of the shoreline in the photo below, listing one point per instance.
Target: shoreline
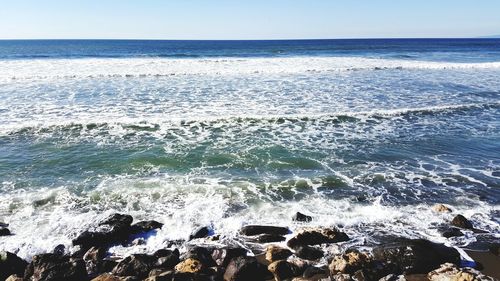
(272, 253)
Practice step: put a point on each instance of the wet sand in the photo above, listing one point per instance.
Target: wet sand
(490, 263)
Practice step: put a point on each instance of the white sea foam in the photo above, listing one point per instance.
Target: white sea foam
(137, 67)
(184, 205)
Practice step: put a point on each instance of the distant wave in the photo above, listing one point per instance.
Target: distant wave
(151, 67)
(154, 123)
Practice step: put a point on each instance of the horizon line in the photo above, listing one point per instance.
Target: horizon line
(274, 39)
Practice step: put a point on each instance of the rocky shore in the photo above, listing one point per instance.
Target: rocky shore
(308, 253)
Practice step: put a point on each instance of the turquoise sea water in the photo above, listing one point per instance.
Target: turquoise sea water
(365, 134)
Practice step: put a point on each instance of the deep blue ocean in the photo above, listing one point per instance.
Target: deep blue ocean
(364, 134)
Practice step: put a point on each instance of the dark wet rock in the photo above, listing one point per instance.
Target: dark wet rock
(4, 231)
(168, 261)
(268, 238)
(107, 265)
(251, 230)
(135, 265)
(201, 254)
(441, 208)
(284, 270)
(246, 269)
(450, 272)
(223, 256)
(160, 271)
(55, 267)
(451, 232)
(160, 275)
(201, 232)
(308, 253)
(275, 253)
(117, 220)
(88, 239)
(414, 256)
(144, 227)
(93, 259)
(165, 252)
(494, 248)
(314, 272)
(301, 217)
(316, 236)
(59, 250)
(115, 229)
(11, 264)
(190, 265)
(462, 222)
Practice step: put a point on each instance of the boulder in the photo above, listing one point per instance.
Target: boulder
(246, 269)
(59, 250)
(342, 277)
(315, 273)
(116, 230)
(11, 264)
(201, 254)
(414, 256)
(111, 277)
(165, 252)
(88, 239)
(14, 277)
(461, 222)
(268, 238)
(494, 248)
(308, 253)
(393, 277)
(451, 232)
(201, 232)
(135, 265)
(301, 217)
(450, 272)
(316, 236)
(168, 261)
(251, 230)
(117, 220)
(144, 227)
(357, 264)
(4, 231)
(284, 270)
(275, 253)
(93, 259)
(349, 262)
(223, 256)
(161, 275)
(441, 208)
(55, 267)
(190, 265)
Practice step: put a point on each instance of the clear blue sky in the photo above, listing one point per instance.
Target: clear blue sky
(247, 19)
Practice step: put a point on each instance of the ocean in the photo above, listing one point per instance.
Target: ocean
(365, 135)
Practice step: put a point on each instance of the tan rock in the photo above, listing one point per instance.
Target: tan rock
(349, 262)
(14, 277)
(450, 272)
(274, 253)
(441, 208)
(189, 265)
